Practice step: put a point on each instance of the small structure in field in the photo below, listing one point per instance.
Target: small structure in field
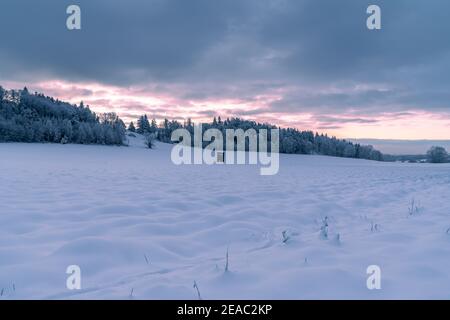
(220, 157)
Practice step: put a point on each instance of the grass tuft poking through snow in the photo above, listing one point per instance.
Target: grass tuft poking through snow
(374, 227)
(337, 239)
(324, 229)
(285, 236)
(198, 290)
(414, 208)
(226, 262)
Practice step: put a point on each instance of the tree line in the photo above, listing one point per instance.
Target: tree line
(26, 117)
(292, 141)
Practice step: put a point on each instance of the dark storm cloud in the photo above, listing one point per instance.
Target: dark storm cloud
(120, 41)
(329, 39)
(240, 49)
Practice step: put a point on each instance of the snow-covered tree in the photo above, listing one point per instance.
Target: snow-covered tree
(131, 127)
(150, 140)
(26, 117)
(143, 125)
(437, 155)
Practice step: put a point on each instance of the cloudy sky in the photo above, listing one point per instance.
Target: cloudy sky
(310, 64)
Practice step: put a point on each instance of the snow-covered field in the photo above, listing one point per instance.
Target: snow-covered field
(142, 228)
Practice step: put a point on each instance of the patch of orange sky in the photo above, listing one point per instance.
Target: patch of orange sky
(131, 102)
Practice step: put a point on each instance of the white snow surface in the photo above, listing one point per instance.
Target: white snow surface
(141, 227)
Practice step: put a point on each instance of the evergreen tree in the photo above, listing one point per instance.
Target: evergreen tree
(131, 127)
(143, 126)
(153, 126)
(2, 94)
(26, 117)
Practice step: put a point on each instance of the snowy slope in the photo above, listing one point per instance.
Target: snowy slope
(134, 222)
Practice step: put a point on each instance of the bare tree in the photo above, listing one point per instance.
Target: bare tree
(149, 139)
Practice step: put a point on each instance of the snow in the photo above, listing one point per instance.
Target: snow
(135, 222)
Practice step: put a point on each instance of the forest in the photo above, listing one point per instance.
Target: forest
(292, 141)
(26, 117)
(33, 117)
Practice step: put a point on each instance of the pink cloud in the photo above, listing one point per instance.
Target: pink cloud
(174, 103)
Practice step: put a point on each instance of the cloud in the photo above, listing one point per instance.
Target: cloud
(270, 59)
